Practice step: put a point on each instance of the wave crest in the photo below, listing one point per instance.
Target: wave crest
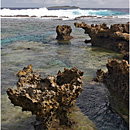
(69, 13)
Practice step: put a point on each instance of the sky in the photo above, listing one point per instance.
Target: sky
(79, 3)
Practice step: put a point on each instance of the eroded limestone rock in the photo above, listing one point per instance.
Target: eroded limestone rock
(117, 81)
(117, 77)
(63, 32)
(49, 98)
(116, 37)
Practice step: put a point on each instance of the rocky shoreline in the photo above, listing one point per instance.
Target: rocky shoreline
(115, 38)
(52, 96)
(50, 99)
(117, 81)
(117, 77)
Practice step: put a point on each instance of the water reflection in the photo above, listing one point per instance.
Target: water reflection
(47, 57)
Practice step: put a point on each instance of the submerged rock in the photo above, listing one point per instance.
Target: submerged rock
(116, 37)
(50, 98)
(117, 81)
(63, 32)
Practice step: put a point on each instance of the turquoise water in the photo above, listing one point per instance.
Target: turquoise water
(70, 13)
(32, 41)
(107, 13)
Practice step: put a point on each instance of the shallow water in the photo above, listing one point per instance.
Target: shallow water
(32, 41)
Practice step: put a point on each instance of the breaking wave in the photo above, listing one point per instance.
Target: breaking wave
(60, 13)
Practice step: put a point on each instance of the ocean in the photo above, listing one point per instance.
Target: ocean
(47, 55)
(66, 14)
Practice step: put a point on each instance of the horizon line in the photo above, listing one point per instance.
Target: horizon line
(66, 5)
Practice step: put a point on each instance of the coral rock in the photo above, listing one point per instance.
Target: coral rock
(25, 71)
(116, 37)
(117, 77)
(117, 81)
(63, 32)
(49, 98)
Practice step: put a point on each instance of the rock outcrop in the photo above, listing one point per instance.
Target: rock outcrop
(115, 38)
(63, 33)
(49, 98)
(116, 78)
(117, 81)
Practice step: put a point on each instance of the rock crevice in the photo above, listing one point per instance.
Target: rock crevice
(117, 81)
(49, 98)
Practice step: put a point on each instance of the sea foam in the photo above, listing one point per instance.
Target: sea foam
(60, 13)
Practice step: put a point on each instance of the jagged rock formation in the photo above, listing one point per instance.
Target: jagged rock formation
(115, 38)
(117, 81)
(117, 77)
(63, 32)
(49, 98)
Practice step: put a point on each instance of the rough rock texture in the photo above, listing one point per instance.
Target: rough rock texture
(116, 37)
(117, 77)
(126, 57)
(117, 81)
(63, 32)
(49, 98)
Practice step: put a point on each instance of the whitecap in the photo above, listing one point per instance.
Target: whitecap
(60, 13)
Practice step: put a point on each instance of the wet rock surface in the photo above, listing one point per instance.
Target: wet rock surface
(115, 38)
(117, 81)
(126, 57)
(63, 32)
(50, 98)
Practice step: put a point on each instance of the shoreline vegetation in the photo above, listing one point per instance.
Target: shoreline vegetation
(63, 7)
